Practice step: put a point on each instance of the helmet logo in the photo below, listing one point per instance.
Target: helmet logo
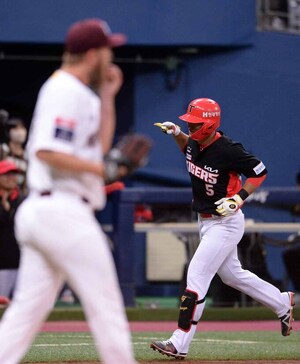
(209, 114)
(191, 107)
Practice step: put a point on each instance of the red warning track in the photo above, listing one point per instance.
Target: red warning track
(81, 326)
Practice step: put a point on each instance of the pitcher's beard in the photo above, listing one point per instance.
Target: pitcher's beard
(95, 82)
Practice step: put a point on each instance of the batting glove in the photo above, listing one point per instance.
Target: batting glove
(229, 205)
(169, 128)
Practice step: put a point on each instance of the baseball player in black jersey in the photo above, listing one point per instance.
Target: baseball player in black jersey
(215, 164)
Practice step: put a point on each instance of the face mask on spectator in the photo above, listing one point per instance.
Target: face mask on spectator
(18, 135)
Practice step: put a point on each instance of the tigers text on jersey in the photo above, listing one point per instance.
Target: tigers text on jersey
(68, 124)
(216, 170)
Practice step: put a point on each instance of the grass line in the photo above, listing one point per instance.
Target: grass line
(171, 314)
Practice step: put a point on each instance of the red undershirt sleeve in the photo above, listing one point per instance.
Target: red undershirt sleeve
(256, 181)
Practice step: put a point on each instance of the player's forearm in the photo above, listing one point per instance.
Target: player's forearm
(108, 122)
(111, 83)
(181, 140)
(252, 184)
(71, 163)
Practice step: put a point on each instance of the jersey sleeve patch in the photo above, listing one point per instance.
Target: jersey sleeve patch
(259, 168)
(64, 129)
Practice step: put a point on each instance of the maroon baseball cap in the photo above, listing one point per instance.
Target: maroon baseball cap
(8, 166)
(91, 33)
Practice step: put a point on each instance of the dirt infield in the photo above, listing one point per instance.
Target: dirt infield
(169, 326)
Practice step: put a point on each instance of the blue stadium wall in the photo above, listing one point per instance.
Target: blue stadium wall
(258, 88)
(253, 75)
(146, 22)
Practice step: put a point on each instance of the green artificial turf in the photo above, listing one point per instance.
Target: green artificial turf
(64, 347)
(171, 314)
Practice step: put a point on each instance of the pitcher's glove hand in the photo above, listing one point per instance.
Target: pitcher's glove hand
(129, 154)
(169, 128)
(228, 205)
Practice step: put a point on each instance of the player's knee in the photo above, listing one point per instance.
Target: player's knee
(228, 281)
(189, 302)
(234, 281)
(227, 277)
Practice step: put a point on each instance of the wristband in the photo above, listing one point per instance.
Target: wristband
(243, 194)
(177, 130)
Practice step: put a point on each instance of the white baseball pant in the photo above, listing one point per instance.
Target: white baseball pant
(217, 253)
(62, 241)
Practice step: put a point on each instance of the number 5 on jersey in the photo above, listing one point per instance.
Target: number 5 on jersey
(209, 189)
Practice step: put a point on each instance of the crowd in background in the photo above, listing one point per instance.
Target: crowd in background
(13, 167)
(13, 190)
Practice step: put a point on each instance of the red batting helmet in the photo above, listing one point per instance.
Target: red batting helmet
(206, 111)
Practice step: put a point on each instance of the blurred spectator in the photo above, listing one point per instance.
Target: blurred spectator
(143, 213)
(280, 7)
(4, 149)
(17, 138)
(273, 14)
(13, 134)
(11, 197)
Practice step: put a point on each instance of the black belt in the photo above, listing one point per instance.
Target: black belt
(49, 193)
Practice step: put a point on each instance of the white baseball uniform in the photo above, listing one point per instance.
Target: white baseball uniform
(59, 236)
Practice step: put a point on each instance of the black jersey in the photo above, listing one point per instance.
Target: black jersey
(216, 171)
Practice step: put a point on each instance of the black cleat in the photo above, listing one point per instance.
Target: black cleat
(287, 319)
(167, 348)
